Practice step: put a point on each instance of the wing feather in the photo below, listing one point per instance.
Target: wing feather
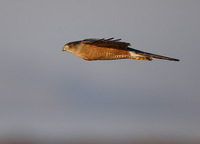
(107, 43)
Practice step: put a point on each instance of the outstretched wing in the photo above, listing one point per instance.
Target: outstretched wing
(107, 43)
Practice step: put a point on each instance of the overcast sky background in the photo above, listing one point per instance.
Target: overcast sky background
(55, 94)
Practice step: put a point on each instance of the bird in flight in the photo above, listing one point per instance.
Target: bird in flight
(108, 49)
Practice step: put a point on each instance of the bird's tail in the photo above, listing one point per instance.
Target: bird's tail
(149, 56)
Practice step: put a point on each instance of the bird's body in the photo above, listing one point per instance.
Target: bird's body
(108, 49)
(90, 52)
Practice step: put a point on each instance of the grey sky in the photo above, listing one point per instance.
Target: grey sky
(55, 93)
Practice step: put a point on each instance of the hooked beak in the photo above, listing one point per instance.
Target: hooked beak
(63, 49)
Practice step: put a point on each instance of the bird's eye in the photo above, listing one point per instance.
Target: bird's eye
(70, 46)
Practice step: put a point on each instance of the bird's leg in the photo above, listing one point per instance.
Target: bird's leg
(143, 58)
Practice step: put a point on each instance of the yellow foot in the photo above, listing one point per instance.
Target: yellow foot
(143, 58)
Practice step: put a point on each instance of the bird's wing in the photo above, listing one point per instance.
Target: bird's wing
(107, 43)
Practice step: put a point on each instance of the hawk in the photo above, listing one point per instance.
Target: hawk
(108, 49)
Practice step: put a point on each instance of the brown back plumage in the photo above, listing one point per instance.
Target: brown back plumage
(108, 43)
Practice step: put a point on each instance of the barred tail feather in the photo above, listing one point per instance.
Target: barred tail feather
(149, 56)
(158, 56)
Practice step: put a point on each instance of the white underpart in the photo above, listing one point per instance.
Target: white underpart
(133, 54)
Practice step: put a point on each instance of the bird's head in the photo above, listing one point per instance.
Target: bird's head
(70, 47)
